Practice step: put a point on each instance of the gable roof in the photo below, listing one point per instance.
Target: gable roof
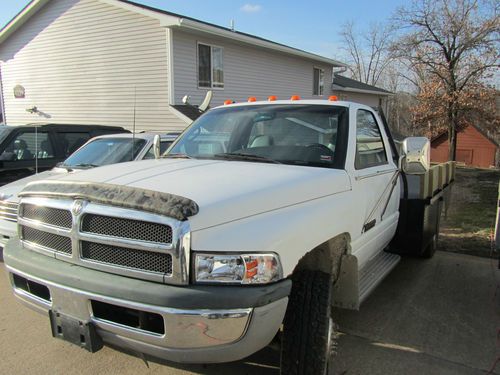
(444, 134)
(342, 83)
(169, 19)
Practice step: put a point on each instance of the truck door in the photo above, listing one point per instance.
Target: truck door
(375, 185)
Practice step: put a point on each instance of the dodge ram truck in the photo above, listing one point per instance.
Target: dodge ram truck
(261, 217)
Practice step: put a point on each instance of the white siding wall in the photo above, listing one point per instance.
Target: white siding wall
(248, 71)
(80, 61)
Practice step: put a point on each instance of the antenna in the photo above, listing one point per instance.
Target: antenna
(133, 125)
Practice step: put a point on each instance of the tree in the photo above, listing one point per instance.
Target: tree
(455, 43)
(476, 104)
(368, 54)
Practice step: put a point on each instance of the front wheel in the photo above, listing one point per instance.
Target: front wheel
(308, 329)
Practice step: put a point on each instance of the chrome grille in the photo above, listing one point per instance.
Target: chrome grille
(126, 228)
(8, 211)
(130, 258)
(48, 240)
(48, 215)
(128, 242)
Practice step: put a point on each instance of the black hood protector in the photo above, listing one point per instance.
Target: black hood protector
(171, 205)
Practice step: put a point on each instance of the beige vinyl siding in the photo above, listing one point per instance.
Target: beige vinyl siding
(248, 71)
(84, 61)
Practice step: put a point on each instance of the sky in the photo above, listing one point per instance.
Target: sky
(311, 25)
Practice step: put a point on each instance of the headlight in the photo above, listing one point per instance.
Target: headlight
(237, 269)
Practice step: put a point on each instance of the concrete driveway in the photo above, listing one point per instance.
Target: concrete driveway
(437, 316)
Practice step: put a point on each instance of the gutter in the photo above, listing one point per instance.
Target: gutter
(23, 16)
(349, 89)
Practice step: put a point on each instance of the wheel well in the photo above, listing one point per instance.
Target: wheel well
(327, 256)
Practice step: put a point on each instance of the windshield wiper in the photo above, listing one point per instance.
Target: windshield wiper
(83, 165)
(241, 156)
(177, 156)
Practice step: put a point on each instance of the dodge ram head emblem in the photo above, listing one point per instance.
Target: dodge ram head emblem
(77, 207)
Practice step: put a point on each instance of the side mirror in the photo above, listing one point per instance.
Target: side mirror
(416, 158)
(156, 146)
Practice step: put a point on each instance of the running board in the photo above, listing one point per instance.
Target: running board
(374, 272)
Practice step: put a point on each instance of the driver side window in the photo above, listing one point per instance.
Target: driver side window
(370, 150)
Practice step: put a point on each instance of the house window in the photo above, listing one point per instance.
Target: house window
(318, 77)
(210, 66)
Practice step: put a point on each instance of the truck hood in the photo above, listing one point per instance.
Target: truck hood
(224, 190)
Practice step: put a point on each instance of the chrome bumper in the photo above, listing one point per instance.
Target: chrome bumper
(191, 336)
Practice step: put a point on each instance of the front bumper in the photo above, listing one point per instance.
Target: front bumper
(201, 324)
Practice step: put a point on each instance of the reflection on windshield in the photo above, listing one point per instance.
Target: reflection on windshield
(105, 151)
(310, 135)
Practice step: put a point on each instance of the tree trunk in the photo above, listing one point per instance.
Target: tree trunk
(453, 143)
(452, 132)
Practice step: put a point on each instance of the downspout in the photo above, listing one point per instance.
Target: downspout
(2, 104)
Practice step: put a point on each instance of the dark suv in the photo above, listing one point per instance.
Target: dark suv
(27, 149)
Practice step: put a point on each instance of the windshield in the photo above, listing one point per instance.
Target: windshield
(311, 135)
(4, 132)
(105, 151)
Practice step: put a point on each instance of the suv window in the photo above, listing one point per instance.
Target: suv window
(26, 146)
(4, 132)
(370, 150)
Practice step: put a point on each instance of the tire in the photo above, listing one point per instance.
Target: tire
(308, 328)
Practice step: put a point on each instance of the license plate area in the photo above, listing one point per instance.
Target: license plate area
(80, 333)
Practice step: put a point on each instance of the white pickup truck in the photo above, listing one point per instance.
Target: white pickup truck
(262, 217)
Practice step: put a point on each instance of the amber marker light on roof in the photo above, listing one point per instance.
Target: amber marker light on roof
(272, 98)
(295, 97)
(227, 102)
(252, 99)
(333, 98)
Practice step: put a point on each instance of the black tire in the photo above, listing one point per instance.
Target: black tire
(308, 336)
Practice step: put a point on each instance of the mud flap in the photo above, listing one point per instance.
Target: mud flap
(82, 334)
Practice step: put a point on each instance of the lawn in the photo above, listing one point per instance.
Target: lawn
(469, 224)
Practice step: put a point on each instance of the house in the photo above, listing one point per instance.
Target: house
(474, 147)
(115, 62)
(356, 91)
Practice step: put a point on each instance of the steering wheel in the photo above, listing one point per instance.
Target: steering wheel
(322, 148)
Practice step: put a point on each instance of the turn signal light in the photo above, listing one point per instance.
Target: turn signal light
(333, 98)
(295, 97)
(252, 99)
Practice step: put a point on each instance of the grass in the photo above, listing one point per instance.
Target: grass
(469, 224)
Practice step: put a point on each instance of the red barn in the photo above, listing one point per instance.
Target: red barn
(474, 148)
